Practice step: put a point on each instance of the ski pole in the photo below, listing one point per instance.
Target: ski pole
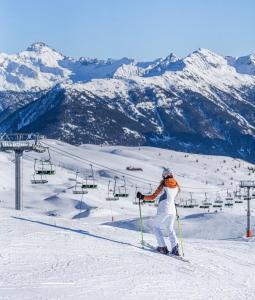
(141, 223)
(179, 229)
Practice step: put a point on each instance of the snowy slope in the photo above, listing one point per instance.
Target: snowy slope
(64, 246)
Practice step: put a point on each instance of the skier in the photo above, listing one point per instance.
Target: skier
(166, 213)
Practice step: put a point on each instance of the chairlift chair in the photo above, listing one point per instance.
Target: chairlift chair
(193, 203)
(229, 198)
(239, 201)
(217, 205)
(111, 192)
(40, 180)
(238, 197)
(206, 202)
(90, 181)
(218, 199)
(78, 189)
(44, 167)
(188, 204)
(121, 189)
(204, 206)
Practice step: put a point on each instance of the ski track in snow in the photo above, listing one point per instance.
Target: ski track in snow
(47, 257)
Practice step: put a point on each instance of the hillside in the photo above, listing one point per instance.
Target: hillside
(66, 246)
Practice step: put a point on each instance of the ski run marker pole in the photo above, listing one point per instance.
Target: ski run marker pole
(141, 223)
(179, 229)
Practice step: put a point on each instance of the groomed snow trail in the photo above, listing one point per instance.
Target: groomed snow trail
(47, 258)
(62, 246)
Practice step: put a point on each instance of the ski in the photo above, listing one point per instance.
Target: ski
(154, 249)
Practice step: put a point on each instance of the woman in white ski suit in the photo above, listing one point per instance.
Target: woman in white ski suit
(166, 212)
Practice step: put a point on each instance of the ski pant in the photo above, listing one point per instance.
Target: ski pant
(168, 222)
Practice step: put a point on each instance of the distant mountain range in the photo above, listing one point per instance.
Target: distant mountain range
(202, 103)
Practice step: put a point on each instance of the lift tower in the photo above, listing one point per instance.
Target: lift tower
(248, 184)
(19, 143)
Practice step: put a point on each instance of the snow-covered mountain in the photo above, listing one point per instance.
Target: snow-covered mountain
(204, 102)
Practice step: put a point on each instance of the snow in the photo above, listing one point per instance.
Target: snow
(40, 68)
(64, 246)
(244, 64)
(130, 132)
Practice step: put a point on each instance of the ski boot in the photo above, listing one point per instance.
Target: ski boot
(163, 250)
(175, 250)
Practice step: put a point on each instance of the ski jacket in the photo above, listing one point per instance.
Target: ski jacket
(167, 190)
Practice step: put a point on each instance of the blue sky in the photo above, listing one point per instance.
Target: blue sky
(142, 29)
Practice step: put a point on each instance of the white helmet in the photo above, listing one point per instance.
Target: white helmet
(167, 172)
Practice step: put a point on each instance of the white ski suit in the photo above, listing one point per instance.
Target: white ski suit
(166, 213)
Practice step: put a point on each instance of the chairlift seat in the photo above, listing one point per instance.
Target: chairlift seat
(45, 172)
(204, 206)
(39, 181)
(112, 198)
(121, 195)
(188, 206)
(218, 201)
(228, 204)
(217, 205)
(89, 186)
(79, 192)
(228, 198)
(207, 203)
(238, 201)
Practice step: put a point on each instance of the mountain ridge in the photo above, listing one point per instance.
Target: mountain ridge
(201, 103)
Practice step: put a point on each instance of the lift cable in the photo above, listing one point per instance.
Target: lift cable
(139, 179)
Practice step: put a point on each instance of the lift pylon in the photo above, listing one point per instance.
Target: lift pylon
(18, 143)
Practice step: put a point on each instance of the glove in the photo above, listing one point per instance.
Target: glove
(140, 196)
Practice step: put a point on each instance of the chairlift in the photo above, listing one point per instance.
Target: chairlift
(239, 201)
(204, 206)
(78, 188)
(180, 203)
(111, 192)
(229, 198)
(45, 166)
(121, 190)
(218, 202)
(218, 199)
(40, 180)
(206, 202)
(217, 205)
(192, 201)
(90, 181)
(238, 196)
(188, 204)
